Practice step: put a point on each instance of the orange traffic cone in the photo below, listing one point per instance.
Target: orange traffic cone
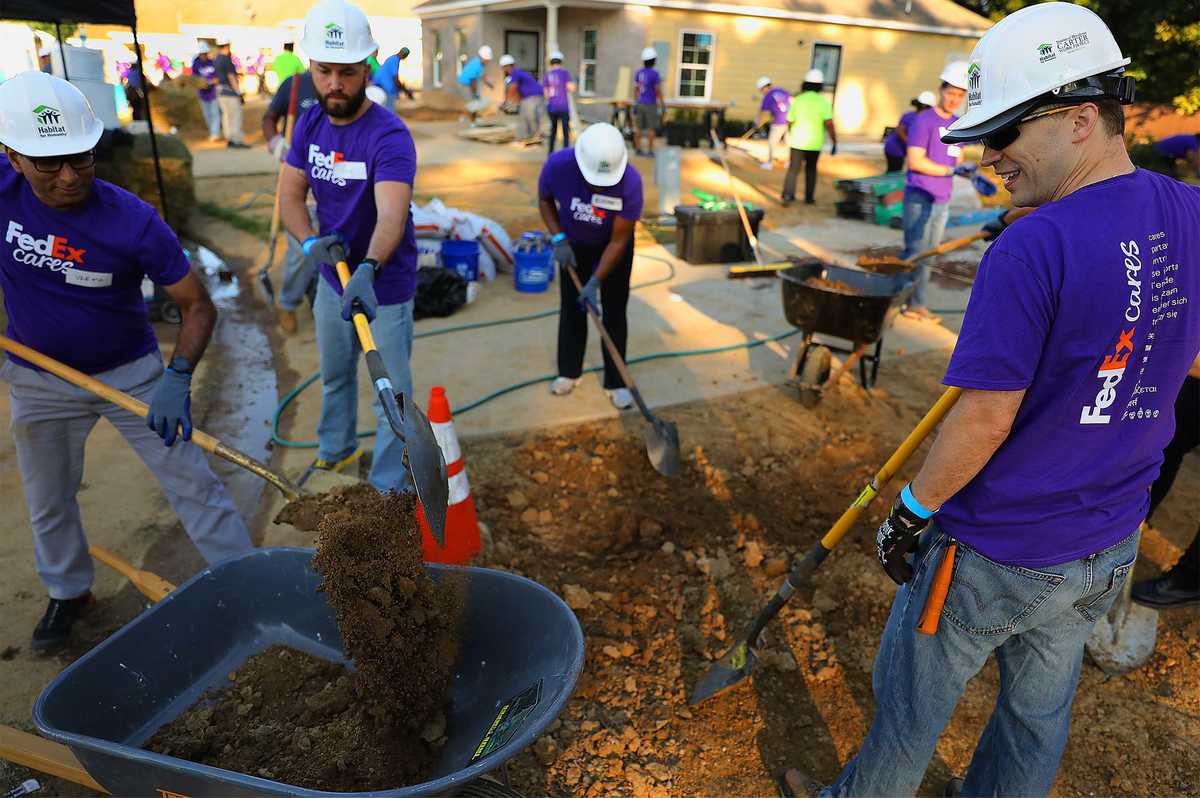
(462, 526)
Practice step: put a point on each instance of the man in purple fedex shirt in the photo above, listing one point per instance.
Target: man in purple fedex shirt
(558, 85)
(649, 109)
(74, 253)
(590, 198)
(204, 68)
(359, 161)
(774, 111)
(1080, 329)
(523, 90)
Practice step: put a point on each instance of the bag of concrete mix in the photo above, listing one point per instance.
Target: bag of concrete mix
(434, 220)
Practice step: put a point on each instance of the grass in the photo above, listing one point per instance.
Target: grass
(259, 228)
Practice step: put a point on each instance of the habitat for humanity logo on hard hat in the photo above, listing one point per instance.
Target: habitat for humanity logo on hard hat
(49, 122)
(1045, 52)
(335, 37)
(974, 78)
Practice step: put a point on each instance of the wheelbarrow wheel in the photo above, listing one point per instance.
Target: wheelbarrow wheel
(487, 787)
(814, 374)
(171, 313)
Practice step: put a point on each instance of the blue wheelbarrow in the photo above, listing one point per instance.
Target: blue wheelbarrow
(521, 652)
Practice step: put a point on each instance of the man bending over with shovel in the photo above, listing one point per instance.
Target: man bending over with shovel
(360, 162)
(75, 252)
(1073, 347)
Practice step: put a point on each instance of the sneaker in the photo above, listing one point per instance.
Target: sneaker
(337, 466)
(55, 627)
(1172, 589)
(562, 386)
(621, 398)
(768, 166)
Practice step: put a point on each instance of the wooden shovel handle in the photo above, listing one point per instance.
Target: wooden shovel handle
(151, 585)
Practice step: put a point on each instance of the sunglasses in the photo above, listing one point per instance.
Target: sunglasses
(1006, 136)
(52, 164)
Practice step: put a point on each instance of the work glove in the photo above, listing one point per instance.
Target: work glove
(325, 249)
(833, 148)
(359, 293)
(966, 170)
(897, 535)
(995, 227)
(589, 295)
(171, 406)
(562, 254)
(278, 147)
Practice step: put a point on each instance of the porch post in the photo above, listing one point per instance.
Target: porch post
(551, 28)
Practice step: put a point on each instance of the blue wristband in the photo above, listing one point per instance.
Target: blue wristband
(559, 236)
(910, 501)
(307, 243)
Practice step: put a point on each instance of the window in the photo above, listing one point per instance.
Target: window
(587, 64)
(460, 44)
(695, 64)
(438, 55)
(828, 59)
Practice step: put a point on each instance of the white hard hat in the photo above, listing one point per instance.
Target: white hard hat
(377, 95)
(222, 42)
(762, 82)
(955, 74)
(556, 56)
(42, 115)
(601, 155)
(507, 60)
(336, 32)
(927, 98)
(1018, 66)
(485, 53)
(649, 53)
(814, 76)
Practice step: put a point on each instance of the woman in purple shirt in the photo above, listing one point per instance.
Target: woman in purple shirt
(558, 85)
(896, 141)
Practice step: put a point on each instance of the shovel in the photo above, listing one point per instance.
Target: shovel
(736, 663)
(889, 264)
(263, 272)
(662, 437)
(423, 455)
(1125, 638)
(139, 408)
(759, 265)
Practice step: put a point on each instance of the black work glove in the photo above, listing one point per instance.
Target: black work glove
(897, 537)
(359, 293)
(833, 148)
(995, 227)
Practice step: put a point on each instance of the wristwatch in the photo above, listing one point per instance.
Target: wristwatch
(181, 365)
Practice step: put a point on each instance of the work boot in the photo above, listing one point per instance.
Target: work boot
(53, 630)
(287, 321)
(800, 785)
(1173, 589)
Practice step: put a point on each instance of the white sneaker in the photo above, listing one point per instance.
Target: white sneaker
(621, 398)
(768, 166)
(562, 386)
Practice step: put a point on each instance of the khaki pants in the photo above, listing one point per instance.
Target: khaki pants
(231, 118)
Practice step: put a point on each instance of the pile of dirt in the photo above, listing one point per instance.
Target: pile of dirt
(836, 286)
(297, 719)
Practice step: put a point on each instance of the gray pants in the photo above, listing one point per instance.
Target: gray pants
(777, 146)
(530, 111)
(231, 117)
(51, 420)
(298, 271)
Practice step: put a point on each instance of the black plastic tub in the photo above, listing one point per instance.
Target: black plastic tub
(520, 656)
(859, 305)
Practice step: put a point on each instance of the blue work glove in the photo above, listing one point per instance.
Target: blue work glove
(985, 187)
(359, 293)
(995, 227)
(897, 535)
(325, 249)
(965, 170)
(589, 296)
(171, 406)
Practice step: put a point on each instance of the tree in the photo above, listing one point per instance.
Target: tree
(68, 28)
(1161, 38)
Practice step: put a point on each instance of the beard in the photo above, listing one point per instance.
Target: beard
(346, 105)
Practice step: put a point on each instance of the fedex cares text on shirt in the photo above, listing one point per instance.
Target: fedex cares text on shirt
(52, 252)
(332, 167)
(594, 212)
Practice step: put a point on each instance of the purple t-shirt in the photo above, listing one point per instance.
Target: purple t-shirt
(1178, 146)
(556, 81)
(343, 163)
(527, 85)
(1099, 327)
(647, 80)
(586, 212)
(72, 279)
(204, 67)
(892, 145)
(777, 101)
(925, 130)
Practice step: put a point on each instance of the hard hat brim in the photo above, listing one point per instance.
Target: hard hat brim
(72, 146)
(598, 179)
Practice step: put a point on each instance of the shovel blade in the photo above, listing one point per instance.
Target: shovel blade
(734, 666)
(426, 467)
(1125, 638)
(662, 447)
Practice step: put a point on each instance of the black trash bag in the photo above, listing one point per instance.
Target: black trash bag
(440, 293)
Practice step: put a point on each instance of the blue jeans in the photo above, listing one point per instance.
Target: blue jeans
(924, 223)
(1035, 621)
(298, 271)
(338, 345)
(211, 110)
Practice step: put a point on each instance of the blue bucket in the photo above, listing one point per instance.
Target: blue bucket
(462, 257)
(532, 269)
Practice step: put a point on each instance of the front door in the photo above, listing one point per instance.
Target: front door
(526, 47)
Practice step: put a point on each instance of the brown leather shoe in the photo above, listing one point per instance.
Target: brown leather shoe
(287, 321)
(800, 785)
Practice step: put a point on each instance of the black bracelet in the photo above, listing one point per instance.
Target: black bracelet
(375, 267)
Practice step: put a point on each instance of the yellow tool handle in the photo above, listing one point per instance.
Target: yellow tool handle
(360, 319)
(894, 464)
(151, 585)
(44, 756)
(948, 246)
(139, 408)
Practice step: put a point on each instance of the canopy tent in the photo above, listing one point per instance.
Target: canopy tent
(100, 12)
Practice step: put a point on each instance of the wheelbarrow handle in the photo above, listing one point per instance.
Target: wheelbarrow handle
(123, 400)
(375, 365)
(37, 753)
